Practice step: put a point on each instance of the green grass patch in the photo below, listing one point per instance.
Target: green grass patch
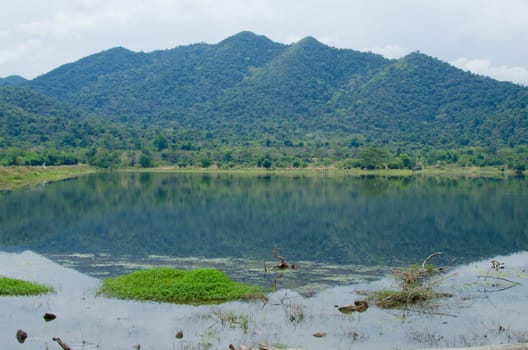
(203, 286)
(16, 287)
(14, 177)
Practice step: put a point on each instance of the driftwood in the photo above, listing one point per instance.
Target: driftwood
(497, 265)
(260, 347)
(358, 306)
(62, 344)
(282, 264)
(520, 346)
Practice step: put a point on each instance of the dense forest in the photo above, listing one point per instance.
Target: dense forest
(248, 101)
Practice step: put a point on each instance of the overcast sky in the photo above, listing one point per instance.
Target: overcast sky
(488, 37)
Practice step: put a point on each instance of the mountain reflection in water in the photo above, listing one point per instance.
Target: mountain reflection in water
(326, 220)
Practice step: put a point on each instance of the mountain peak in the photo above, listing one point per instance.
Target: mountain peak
(309, 42)
(244, 37)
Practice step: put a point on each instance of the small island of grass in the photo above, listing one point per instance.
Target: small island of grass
(203, 286)
(16, 287)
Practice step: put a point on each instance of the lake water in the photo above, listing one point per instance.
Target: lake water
(108, 223)
(344, 233)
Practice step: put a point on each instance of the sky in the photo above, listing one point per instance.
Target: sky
(488, 37)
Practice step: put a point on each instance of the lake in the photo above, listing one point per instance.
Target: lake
(341, 232)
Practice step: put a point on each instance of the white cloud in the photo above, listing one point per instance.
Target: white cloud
(19, 51)
(388, 51)
(447, 29)
(484, 67)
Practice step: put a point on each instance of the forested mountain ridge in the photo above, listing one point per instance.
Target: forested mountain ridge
(250, 101)
(13, 80)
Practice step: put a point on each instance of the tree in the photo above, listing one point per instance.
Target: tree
(372, 158)
(160, 142)
(145, 160)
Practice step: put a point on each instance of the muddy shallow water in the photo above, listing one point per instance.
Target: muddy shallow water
(481, 311)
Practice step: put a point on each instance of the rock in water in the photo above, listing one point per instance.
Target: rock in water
(21, 336)
(49, 317)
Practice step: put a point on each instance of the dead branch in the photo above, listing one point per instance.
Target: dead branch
(426, 261)
(282, 265)
(500, 279)
(432, 283)
(62, 344)
(497, 265)
(433, 313)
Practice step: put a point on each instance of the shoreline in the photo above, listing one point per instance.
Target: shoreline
(16, 177)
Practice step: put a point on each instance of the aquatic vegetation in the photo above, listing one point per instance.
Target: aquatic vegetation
(415, 286)
(231, 319)
(13, 287)
(201, 286)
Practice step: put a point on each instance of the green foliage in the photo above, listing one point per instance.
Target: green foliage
(160, 142)
(11, 286)
(177, 286)
(372, 158)
(145, 160)
(248, 101)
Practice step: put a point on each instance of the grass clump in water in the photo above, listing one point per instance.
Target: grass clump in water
(203, 286)
(16, 287)
(415, 286)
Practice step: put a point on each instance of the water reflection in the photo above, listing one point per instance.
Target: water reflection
(327, 220)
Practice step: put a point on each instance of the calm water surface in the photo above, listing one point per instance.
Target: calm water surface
(111, 223)
(344, 233)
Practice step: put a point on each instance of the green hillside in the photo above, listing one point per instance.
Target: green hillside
(13, 80)
(36, 129)
(248, 101)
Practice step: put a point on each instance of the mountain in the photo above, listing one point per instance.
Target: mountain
(12, 80)
(118, 82)
(250, 101)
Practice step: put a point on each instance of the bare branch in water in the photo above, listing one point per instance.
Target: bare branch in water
(426, 261)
